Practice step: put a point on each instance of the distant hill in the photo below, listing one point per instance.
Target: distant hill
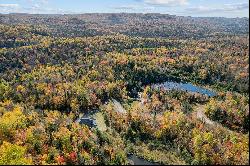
(132, 24)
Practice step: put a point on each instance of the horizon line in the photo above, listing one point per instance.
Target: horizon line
(117, 13)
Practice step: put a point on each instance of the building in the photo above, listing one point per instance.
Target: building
(88, 121)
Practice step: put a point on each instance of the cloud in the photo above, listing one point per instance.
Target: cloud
(131, 7)
(32, 7)
(149, 5)
(225, 8)
(166, 2)
(134, 8)
(38, 1)
(9, 8)
(8, 5)
(240, 6)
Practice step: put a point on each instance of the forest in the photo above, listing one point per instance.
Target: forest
(116, 71)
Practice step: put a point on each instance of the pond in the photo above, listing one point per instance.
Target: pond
(185, 87)
(139, 161)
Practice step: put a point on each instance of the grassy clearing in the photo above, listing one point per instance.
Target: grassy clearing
(100, 121)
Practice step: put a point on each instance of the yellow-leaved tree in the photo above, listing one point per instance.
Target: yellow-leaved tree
(11, 154)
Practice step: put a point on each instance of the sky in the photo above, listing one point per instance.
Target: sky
(195, 8)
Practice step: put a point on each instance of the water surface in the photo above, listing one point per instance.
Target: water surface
(185, 87)
(139, 161)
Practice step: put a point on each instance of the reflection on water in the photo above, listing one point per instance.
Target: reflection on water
(186, 87)
(139, 161)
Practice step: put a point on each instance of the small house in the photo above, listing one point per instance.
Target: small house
(88, 121)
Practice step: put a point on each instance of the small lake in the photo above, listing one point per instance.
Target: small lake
(139, 161)
(185, 87)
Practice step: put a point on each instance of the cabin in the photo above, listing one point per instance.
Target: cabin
(88, 121)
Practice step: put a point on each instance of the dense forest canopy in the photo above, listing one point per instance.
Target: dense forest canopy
(57, 68)
(136, 25)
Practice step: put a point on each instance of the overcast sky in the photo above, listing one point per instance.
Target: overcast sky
(207, 8)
